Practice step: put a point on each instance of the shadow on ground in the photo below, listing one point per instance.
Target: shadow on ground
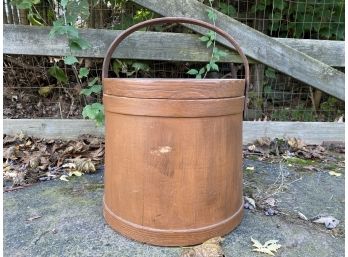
(61, 218)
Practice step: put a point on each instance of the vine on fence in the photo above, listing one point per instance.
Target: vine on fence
(322, 19)
(210, 40)
(66, 25)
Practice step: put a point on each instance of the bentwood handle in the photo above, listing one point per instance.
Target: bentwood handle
(170, 20)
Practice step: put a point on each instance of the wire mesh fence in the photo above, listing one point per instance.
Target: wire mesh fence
(272, 96)
(312, 19)
(30, 92)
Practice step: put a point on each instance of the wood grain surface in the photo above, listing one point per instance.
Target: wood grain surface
(173, 167)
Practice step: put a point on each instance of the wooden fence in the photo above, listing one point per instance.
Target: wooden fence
(309, 61)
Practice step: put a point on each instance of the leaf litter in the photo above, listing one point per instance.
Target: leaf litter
(269, 247)
(329, 221)
(298, 154)
(28, 160)
(210, 248)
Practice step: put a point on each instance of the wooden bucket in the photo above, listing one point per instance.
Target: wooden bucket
(173, 157)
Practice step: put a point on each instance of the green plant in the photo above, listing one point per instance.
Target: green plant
(66, 25)
(129, 68)
(210, 40)
(127, 19)
(299, 113)
(308, 19)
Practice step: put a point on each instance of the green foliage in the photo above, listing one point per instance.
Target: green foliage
(35, 19)
(305, 19)
(58, 74)
(209, 39)
(95, 112)
(129, 67)
(270, 73)
(83, 72)
(128, 20)
(92, 88)
(60, 28)
(227, 9)
(78, 44)
(212, 15)
(299, 113)
(25, 4)
(75, 9)
(70, 60)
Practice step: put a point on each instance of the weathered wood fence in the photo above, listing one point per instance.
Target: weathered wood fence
(309, 61)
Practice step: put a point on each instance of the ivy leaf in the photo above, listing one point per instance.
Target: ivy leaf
(59, 28)
(214, 66)
(192, 72)
(201, 71)
(93, 82)
(95, 112)
(93, 89)
(83, 72)
(209, 43)
(211, 34)
(198, 76)
(140, 66)
(70, 60)
(79, 44)
(72, 32)
(204, 38)
(212, 15)
(208, 66)
(58, 73)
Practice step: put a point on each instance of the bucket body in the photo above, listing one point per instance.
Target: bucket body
(173, 158)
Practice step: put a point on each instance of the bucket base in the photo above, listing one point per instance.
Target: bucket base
(163, 237)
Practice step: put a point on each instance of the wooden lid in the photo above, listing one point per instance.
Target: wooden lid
(178, 89)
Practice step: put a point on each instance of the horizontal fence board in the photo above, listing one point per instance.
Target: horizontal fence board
(140, 45)
(310, 132)
(32, 40)
(257, 45)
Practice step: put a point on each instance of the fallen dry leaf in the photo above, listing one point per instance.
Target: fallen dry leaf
(263, 141)
(270, 201)
(249, 203)
(296, 144)
(210, 248)
(34, 217)
(64, 178)
(339, 119)
(251, 168)
(75, 173)
(251, 148)
(334, 173)
(302, 216)
(329, 221)
(269, 247)
(10, 153)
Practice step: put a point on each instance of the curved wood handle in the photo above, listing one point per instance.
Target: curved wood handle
(170, 20)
